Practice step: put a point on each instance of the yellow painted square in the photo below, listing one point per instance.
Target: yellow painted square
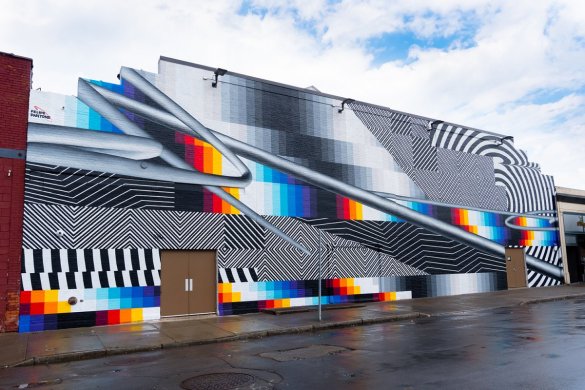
(51, 295)
(63, 307)
(136, 315)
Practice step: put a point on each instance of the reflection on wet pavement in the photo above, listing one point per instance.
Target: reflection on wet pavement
(523, 347)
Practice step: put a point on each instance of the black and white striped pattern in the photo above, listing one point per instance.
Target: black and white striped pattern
(550, 254)
(452, 137)
(340, 257)
(75, 187)
(383, 120)
(415, 247)
(241, 232)
(526, 188)
(408, 139)
(237, 275)
(55, 269)
(424, 155)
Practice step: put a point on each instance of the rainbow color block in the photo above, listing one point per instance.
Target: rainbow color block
(49, 309)
(540, 238)
(239, 298)
(485, 224)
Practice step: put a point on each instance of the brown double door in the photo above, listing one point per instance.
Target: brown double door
(516, 267)
(188, 283)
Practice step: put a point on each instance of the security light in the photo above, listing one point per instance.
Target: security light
(218, 72)
(343, 103)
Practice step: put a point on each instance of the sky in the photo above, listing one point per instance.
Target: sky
(511, 67)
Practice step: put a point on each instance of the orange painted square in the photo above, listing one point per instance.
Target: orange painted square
(37, 296)
(51, 307)
(125, 316)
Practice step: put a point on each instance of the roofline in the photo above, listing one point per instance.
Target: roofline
(205, 67)
(2, 53)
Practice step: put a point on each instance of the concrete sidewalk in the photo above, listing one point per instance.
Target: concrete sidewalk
(85, 343)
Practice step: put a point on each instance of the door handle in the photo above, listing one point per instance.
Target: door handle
(190, 284)
(187, 284)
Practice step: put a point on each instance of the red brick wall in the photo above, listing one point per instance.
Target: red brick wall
(15, 84)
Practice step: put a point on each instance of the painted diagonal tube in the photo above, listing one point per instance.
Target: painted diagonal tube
(144, 86)
(335, 186)
(55, 154)
(89, 95)
(138, 148)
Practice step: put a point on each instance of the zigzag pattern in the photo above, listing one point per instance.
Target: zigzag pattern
(414, 246)
(340, 258)
(75, 187)
(89, 227)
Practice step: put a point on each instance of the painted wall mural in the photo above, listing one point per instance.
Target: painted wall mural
(402, 206)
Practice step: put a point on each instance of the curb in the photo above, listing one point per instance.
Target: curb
(86, 355)
(551, 299)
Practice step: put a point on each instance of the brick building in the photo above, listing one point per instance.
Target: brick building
(15, 85)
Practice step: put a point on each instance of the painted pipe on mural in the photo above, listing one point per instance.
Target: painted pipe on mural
(88, 95)
(324, 181)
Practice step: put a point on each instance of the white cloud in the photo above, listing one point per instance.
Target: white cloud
(518, 50)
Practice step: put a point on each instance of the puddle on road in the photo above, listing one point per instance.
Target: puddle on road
(308, 352)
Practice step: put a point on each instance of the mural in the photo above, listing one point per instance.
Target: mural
(272, 177)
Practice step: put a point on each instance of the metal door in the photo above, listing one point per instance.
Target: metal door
(174, 291)
(188, 283)
(203, 282)
(515, 267)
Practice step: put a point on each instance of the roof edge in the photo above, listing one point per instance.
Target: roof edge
(275, 83)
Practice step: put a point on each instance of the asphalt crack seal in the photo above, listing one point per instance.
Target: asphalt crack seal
(311, 351)
(32, 385)
(219, 381)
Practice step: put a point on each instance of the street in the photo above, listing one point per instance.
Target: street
(537, 346)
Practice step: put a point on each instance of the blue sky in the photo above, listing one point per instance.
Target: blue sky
(509, 67)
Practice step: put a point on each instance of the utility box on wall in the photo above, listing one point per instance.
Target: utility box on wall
(15, 84)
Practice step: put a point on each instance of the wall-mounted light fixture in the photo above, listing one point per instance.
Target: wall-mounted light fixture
(497, 140)
(218, 72)
(343, 103)
(432, 124)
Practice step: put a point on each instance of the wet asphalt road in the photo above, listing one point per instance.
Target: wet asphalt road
(539, 346)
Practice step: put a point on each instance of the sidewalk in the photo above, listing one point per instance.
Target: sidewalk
(85, 343)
